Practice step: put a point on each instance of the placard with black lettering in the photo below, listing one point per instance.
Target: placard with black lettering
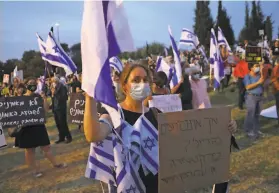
(194, 149)
(23, 110)
(253, 54)
(76, 110)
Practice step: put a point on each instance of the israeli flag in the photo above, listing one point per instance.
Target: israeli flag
(177, 71)
(148, 139)
(56, 56)
(42, 46)
(116, 64)
(100, 165)
(223, 41)
(105, 33)
(161, 65)
(215, 60)
(188, 38)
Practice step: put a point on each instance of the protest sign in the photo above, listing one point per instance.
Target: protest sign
(6, 78)
(253, 54)
(23, 110)
(194, 149)
(76, 110)
(3, 142)
(166, 103)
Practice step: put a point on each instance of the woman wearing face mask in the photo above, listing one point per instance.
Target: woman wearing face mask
(199, 89)
(254, 92)
(160, 84)
(31, 137)
(135, 82)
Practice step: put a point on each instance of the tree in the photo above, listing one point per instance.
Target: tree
(224, 22)
(244, 33)
(65, 47)
(75, 53)
(268, 28)
(256, 21)
(32, 64)
(203, 22)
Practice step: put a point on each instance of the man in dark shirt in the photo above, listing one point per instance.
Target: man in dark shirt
(59, 107)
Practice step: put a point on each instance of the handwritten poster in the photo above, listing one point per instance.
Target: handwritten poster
(76, 110)
(23, 110)
(194, 149)
(166, 103)
(3, 142)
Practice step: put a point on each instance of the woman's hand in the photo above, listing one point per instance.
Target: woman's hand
(232, 126)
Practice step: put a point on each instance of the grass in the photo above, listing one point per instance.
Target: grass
(254, 169)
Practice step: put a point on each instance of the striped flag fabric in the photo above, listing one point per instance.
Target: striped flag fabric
(100, 163)
(147, 136)
(177, 71)
(105, 33)
(166, 52)
(56, 56)
(222, 40)
(215, 60)
(161, 65)
(42, 46)
(188, 38)
(116, 64)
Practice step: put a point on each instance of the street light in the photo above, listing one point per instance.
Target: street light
(57, 25)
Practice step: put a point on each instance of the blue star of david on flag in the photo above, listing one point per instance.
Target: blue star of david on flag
(131, 189)
(149, 143)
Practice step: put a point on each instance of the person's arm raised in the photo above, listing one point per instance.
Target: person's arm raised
(94, 130)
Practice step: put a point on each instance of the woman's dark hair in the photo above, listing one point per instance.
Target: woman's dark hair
(160, 79)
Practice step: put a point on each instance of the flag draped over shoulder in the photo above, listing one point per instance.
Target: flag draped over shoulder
(215, 60)
(189, 38)
(56, 56)
(176, 70)
(223, 41)
(105, 33)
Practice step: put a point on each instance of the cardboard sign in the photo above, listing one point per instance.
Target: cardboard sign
(3, 142)
(166, 103)
(194, 149)
(6, 78)
(23, 110)
(253, 54)
(76, 110)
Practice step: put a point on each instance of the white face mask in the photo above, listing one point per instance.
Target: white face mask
(118, 89)
(257, 69)
(139, 91)
(196, 76)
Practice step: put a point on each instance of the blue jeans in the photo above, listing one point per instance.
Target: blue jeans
(253, 106)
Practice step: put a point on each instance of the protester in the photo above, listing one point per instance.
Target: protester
(275, 82)
(5, 90)
(254, 85)
(275, 51)
(75, 84)
(183, 88)
(160, 84)
(200, 97)
(59, 107)
(135, 81)
(13, 87)
(31, 137)
(240, 71)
